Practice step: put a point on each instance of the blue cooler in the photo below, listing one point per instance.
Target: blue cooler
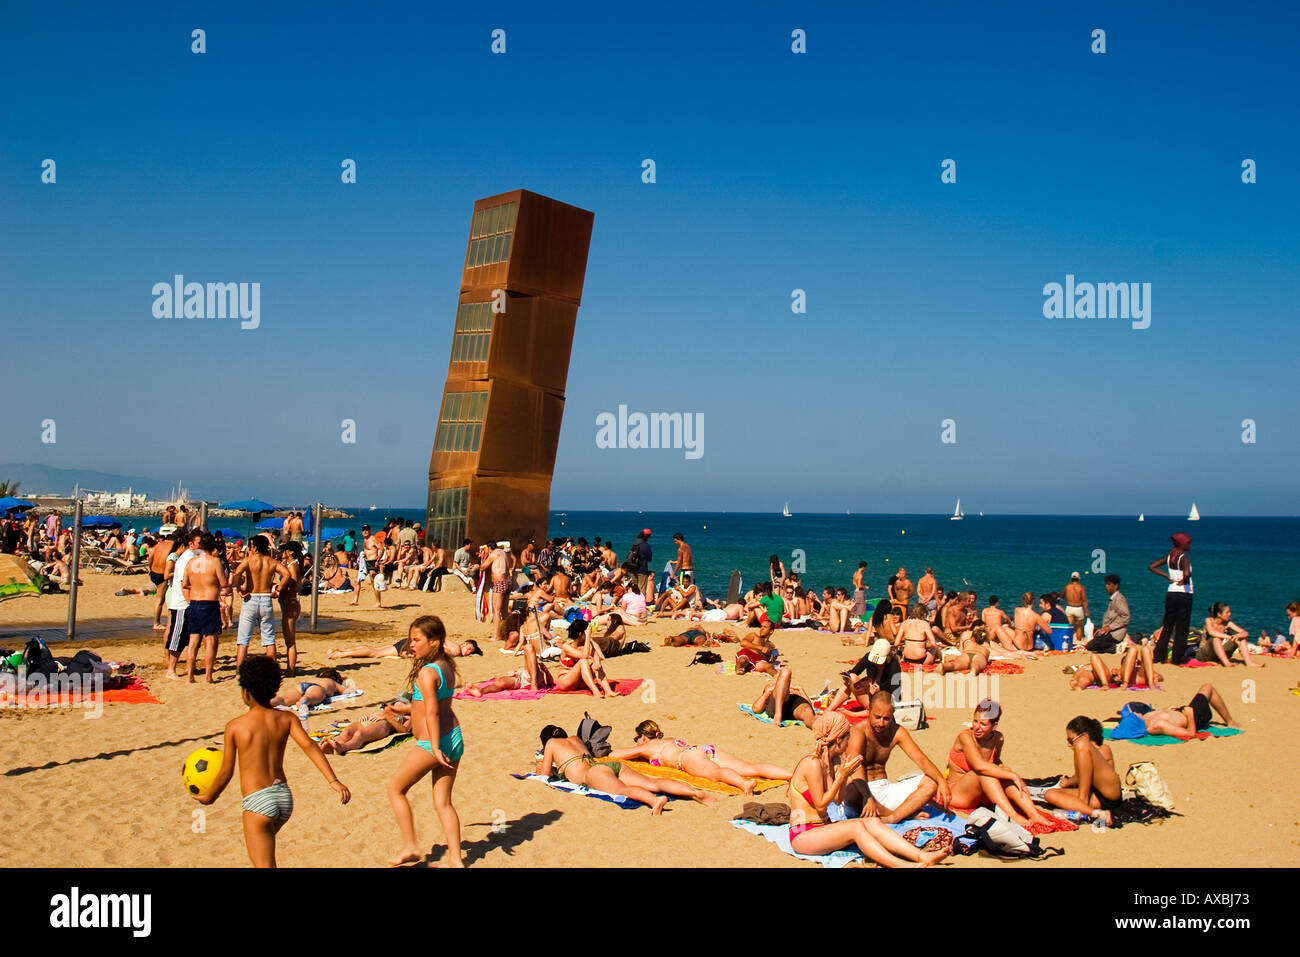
(1062, 637)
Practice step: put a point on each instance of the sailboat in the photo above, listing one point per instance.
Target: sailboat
(1194, 515)
(1142, 517)
(786, 511)
(957, 516)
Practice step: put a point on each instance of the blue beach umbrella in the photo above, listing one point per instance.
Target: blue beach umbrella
(270, 524)
(250, 505)
(11, 504)
(100, 521)
(230, 533)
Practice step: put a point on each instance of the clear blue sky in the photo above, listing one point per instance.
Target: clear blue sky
(775, 171)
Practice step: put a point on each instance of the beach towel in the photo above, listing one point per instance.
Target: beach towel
(135, 692)
(515, 695)
(1155, 740)
(994, 668)
(622, 686)
(939, 819)
(787, 723)
(569, 787)
(383, 744)
(779, 834)
(1200, 664)
(720, 787)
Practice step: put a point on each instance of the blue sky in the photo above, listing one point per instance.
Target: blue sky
(775, 171)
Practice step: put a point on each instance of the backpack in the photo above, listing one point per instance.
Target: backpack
(86, 663)
(594, 736)
(635, 648)
(1143, 780)
(38, 660)
(705, 658)
(1001, 837)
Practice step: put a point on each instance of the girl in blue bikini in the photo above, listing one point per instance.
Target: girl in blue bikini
(437, 737)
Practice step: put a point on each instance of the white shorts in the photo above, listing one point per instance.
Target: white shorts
(890, 794)
(1074, 614)
(380, 583)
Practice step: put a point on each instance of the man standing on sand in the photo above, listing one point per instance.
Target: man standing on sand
(158, 575)
(253, 577)
(901, 593)
(293, 527)
(684, 562)
(502, 563)
(1076, 606)
(178, 634)
(1176, 567)
(927, 592)
(203, 584)
(641, 557)
(860, 591)
(367, 564)
(869, 791)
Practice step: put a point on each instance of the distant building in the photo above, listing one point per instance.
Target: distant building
(499, 421)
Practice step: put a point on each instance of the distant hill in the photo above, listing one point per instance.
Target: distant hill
(45, 479)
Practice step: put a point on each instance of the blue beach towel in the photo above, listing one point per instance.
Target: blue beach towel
(779, 834)
(621, 800)
(787, 723)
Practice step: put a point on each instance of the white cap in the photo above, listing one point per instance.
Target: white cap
(505, 545)
(1073, 575)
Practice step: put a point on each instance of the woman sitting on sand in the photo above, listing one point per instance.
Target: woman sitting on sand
(973, 653)
(916, 639)
(566, 758)
(583, 664)
(313, 691)
(782, 700)
(394, 718)
(817, 782)
(1193, 717)
(609, 632)
(1222, 639)
(401, 649)
(977, 776)
(1094, 787)
(878, 669)
(1026, 620)
(701, 760)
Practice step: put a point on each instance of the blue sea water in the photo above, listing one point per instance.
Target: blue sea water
(1251, 563)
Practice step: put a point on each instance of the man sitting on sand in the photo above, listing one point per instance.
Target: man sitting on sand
(756, 651)
(870, 792)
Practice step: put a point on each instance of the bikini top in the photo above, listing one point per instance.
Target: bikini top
(445, 691)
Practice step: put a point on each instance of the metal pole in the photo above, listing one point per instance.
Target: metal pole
(203, 515)
(315, 560)
(76, 570)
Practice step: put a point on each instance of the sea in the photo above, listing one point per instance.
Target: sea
(1253, 564)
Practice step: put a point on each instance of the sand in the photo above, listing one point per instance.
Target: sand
(110, 794)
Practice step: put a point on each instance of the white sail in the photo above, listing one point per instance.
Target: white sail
(957, 515)
(786, 511)
(1194, 515)
(1142, 517)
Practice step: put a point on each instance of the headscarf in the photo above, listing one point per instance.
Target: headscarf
(828, 728)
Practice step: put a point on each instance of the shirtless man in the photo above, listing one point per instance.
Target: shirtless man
(927, 591)
(955, 618)
(903, 589)
(158, 574)
(254, 578)
(501, 563)
(203, 584)
(290, 606)
(869, 790)
(998, 624)
(684, 563)
(561, 585)
(1076, 606)
(756, 651)
(367, 565)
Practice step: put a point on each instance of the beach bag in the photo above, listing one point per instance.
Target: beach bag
(1143, 780)
(594, 736)
(38, 660)
(635, 648)
(911, 715)
(705, 658)
(929, 838)
(1001, 837)
(87, 663)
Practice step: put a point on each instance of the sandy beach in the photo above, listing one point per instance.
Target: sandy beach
(109, 792)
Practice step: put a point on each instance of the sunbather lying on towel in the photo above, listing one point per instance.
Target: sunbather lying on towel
(533, 676)
(782, 699)
(691, 636)
(567, 758)
(1137, 667)
(817, 782)
(1094, 787)
(313, 691)
(1195, 716)
(701, 760)
(977, 776)
(394, 717)
(401, 649)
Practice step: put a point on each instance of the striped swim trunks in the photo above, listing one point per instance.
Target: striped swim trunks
(275, 802)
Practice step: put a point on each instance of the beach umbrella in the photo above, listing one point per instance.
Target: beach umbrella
(270, 524)
(11, 504)
(230, 533)
(328, 534)
(100, 521)
(250, 505)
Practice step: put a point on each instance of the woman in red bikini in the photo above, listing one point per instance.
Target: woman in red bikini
(977, 776)
(818, 781)
(701, 760)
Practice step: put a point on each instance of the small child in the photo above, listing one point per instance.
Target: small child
(257, 740)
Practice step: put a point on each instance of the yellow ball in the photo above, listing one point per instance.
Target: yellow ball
(903, 532)
(200, 770)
